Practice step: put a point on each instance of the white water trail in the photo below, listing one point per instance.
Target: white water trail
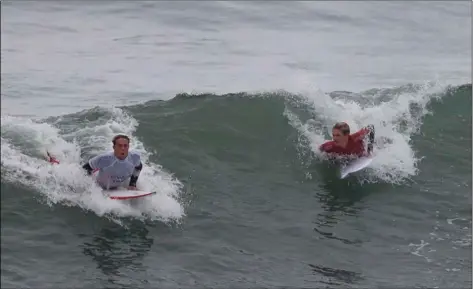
(23, 147)
(396, 114)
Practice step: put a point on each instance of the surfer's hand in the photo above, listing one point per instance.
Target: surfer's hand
(132, 188)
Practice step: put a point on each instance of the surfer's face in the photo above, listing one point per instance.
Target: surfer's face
(338, 136)
(121, 147)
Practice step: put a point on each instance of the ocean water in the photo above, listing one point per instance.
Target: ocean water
(227, 103)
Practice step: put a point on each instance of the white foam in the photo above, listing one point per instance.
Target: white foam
(393, 118)
(24, 143)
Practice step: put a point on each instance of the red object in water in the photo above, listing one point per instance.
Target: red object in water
(52, 159)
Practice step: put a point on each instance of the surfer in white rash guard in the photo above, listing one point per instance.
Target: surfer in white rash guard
(114, 168)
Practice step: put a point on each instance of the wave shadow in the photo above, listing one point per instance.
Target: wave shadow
(339, 199)
(115, 249)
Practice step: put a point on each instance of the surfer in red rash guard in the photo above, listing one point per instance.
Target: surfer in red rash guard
(344, 143)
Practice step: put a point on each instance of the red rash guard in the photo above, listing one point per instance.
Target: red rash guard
(354, 145)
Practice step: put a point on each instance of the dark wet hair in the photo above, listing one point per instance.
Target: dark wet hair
(343, 127)
(119, 136)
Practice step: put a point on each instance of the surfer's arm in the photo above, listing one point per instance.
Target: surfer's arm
(359, 135)
(368, 130)
(370, 138)
(135, 175)
(93, 164)
(326, 147)
(88, 168)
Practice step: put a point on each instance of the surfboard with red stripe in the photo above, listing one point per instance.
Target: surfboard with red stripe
(127, 194)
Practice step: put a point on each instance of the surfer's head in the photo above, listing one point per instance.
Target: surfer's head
(121, 144)
(340, 132)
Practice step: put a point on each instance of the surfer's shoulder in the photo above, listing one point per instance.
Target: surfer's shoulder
(106, 156)
(134, 154)
(135, 157)
(327, 146)
(102, 160)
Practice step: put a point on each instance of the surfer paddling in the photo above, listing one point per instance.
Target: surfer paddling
(344, 143)
(114, 168)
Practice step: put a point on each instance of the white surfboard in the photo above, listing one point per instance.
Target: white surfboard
(355, 165)
(124, 194)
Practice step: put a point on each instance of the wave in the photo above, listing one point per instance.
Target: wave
(231, 127)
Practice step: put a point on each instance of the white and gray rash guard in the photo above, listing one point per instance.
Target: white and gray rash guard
(112, 171)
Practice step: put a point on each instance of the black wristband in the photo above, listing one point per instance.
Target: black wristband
(133, 180)
(88, 168)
